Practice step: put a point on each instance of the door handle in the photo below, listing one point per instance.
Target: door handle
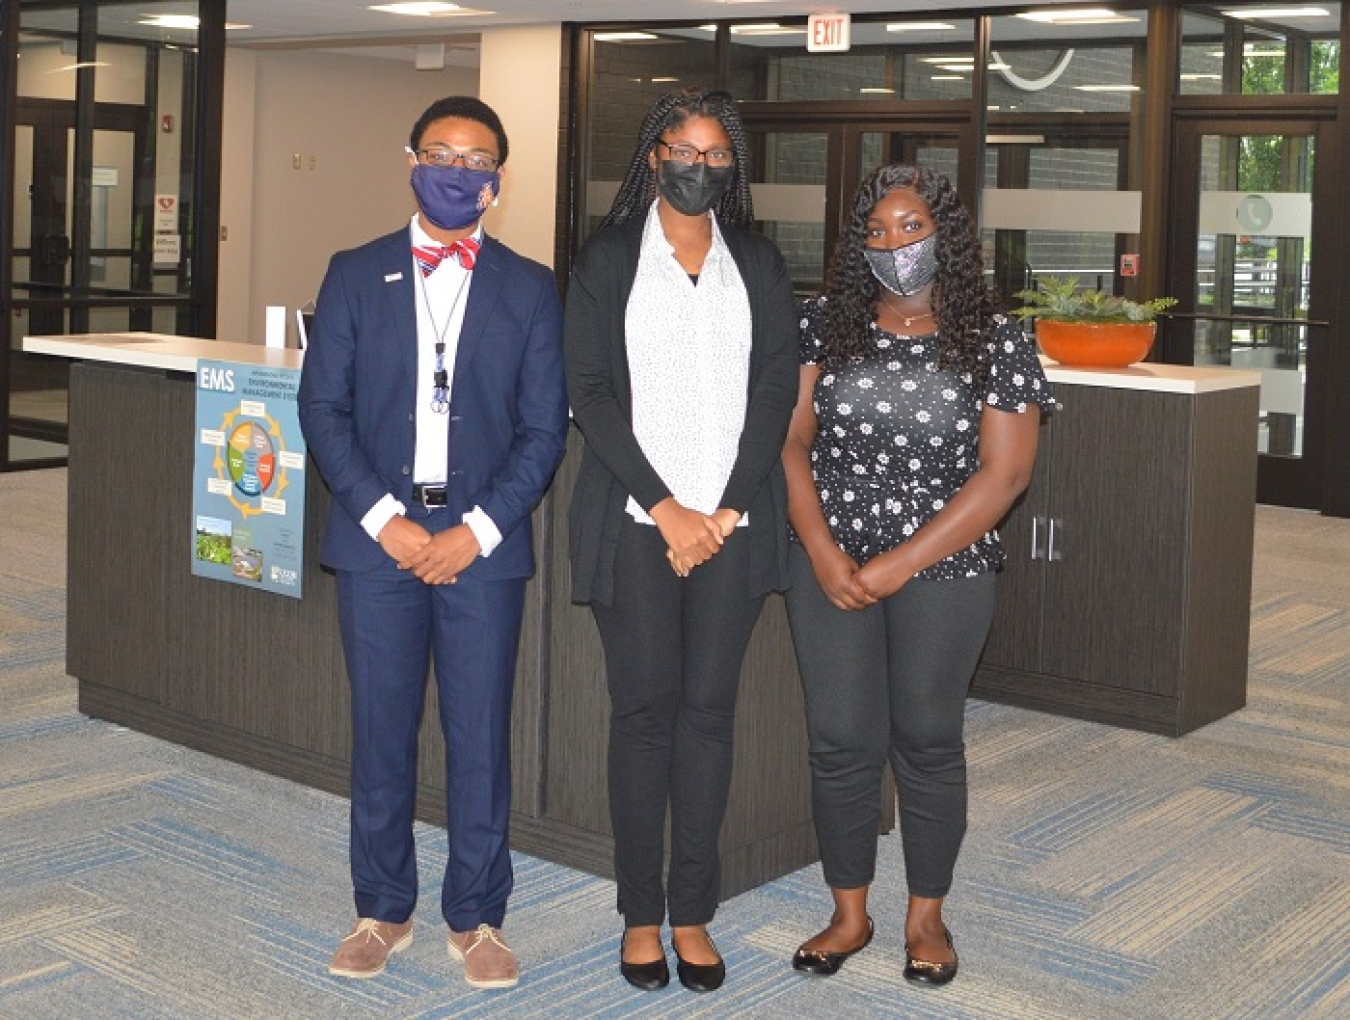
(1052, 554)
(1037, 523)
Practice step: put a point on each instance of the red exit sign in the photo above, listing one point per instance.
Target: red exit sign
(827, 33)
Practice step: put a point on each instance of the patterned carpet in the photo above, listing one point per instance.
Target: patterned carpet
(1108, 875)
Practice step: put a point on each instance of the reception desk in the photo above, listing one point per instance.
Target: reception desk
(259, 679)
(1126, 600)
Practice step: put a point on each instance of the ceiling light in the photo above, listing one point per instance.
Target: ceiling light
(623, 36)
(877, 91)
(1249, 50)
(1251, 13)
(425, 9)
(947, 77)
(1200, 77)
(944, 61)
(1107, 88)
(1094, 16)
(921, 26)
(770, 28)
(185, 22)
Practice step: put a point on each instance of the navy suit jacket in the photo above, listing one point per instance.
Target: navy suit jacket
(360, 394)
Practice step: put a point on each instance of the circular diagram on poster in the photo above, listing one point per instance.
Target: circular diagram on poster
(252, 459)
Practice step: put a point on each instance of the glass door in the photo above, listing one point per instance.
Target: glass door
(52, 260)
(109, 199)
(1250, 294)
(805, 177)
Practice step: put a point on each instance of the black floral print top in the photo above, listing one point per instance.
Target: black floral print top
(897, 438)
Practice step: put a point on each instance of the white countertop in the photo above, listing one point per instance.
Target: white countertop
(1150, 376)
(159, 350)
(181, 354)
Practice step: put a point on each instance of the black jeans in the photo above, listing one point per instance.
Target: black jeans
(889, 680)
(673, 652)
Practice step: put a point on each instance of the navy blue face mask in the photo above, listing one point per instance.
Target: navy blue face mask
(454, 197)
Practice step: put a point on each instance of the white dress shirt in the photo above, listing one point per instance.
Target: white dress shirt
(689, 365)
(441, 299)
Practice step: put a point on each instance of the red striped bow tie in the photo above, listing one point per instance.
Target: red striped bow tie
(430, 256)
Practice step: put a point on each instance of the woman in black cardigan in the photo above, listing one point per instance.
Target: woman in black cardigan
(680, 348)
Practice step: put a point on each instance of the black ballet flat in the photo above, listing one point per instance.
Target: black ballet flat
(824, 962)
(925, 972)
(648, 976)
(700, 977)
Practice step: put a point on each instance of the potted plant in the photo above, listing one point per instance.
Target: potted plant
(1090, 327)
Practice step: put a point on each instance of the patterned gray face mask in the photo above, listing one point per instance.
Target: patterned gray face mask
(908, 270)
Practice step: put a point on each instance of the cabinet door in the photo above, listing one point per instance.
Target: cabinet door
(1115, 572)
(1015, 637)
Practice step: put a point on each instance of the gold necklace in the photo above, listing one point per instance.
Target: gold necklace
(908, 320)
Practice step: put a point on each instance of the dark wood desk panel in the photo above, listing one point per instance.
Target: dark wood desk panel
(258, 678)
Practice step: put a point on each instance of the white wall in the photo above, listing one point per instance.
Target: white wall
(519, 77)
(348, 119)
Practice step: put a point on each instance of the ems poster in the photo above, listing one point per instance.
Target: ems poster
(248, 482)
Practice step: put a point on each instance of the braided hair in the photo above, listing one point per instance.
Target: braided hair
(962, 301)
(669, 111)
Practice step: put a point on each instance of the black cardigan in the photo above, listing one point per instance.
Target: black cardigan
(598, 386)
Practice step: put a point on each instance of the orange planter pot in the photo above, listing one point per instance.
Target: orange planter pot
(1095, 344)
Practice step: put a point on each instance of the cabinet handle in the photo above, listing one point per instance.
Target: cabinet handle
(1036, 524)
(1052, 554)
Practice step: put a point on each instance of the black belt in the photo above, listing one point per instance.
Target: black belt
(429, 495)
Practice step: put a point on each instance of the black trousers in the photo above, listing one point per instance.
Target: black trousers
(889, 680)
(673, 652)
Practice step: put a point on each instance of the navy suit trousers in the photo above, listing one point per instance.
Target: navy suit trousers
(394, 628)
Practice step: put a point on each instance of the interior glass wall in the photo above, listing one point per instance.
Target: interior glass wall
(898, 59)
(99, 215)
(1260, 49)
(1065, 98)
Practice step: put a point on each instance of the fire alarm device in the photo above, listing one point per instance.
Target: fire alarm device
(166, 123)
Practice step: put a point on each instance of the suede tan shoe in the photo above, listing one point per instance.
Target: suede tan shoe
(488, 960)
(362, 954)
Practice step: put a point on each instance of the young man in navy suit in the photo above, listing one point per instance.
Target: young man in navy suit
(432, 400)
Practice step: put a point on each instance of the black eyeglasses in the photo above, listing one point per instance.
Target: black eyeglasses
(442, 155)
(683, 152)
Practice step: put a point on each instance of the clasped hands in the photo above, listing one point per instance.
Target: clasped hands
(433, 559)
(692, 538)
(851, 587)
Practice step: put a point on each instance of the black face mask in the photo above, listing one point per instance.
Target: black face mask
(692, 189)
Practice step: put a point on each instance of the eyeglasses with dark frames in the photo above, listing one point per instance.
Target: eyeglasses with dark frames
(683, 152)
(443, 155)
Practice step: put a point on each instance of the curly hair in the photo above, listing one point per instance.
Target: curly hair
(671, 110)
(962, 301)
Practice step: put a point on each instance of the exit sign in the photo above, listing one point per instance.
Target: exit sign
(827, 33)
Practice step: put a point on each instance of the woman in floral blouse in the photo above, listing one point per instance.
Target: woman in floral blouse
(915, 429)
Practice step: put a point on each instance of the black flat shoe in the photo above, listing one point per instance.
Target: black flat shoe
(700, 977)
(824, 962)
(925, 972)
(648, 976)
